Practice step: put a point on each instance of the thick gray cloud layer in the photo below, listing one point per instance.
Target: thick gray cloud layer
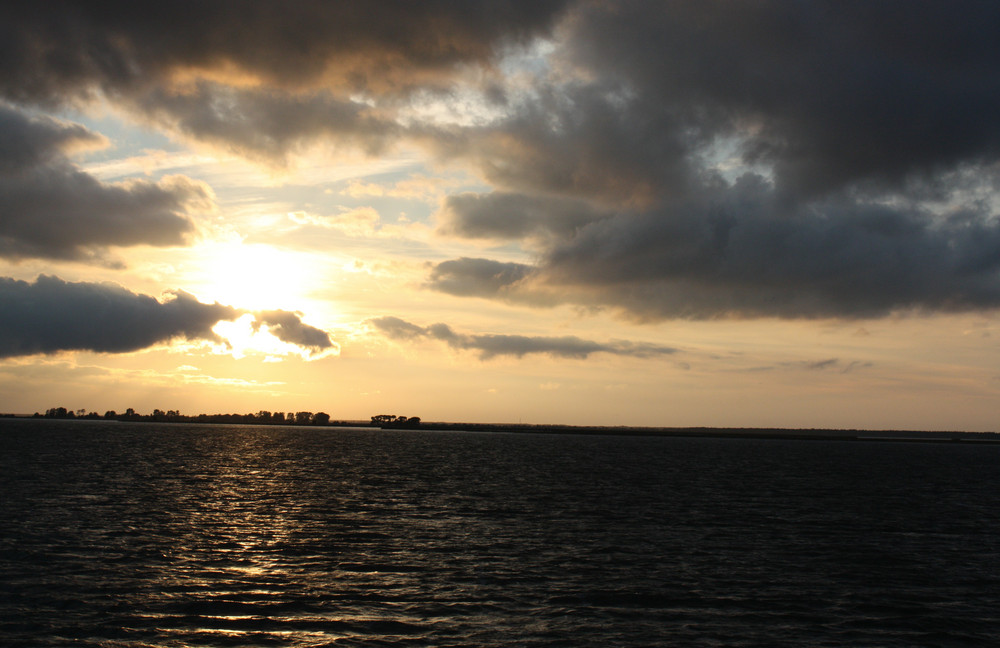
(57, 48)
(51, 209)
(52, 315)
(771, 158)
(492, 345)
(737, 252)
(258, 76)
(827, 93)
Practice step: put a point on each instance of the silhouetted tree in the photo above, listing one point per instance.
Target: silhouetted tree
(321, 418)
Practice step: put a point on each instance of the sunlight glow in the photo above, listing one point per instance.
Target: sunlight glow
(256, 276)
(244, 340)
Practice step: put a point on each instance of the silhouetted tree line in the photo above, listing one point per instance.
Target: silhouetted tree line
(263, 417)
(393, 421)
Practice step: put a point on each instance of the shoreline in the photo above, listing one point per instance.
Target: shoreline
(789, 434)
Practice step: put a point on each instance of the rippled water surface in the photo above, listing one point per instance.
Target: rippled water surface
(169, 535)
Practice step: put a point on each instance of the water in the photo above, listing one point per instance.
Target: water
(118, 535)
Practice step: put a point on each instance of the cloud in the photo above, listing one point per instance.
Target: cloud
(289, 327)
(52, 315)
(510, 216)
(265, 125)
(51, 209)
(760, 159)
(492, 345)
(468, 277)
(819, 365)
(31, 142)
(829, 363)
(260, 77)
(61, 46)
(397, 329)
(735, 251)
(360, 222)
(824, 94)
(702, 160)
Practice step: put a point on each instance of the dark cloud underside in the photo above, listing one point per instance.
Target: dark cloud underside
(53, 49)
(289, 327)
(467, 277)
(51, 209)
(53, 315)
(260, 77)
(750, 159)
(492, 345)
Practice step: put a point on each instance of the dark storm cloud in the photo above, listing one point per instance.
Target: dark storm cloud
(737, 253)
(830, 93)
(593, 141)
(867, 135)
(49, 208)
(52, 315)
(490, 345)
(289, 327)
(55, 49)
(827, 93)
(261, 76)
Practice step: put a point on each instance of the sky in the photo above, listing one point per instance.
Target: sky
(592, 212)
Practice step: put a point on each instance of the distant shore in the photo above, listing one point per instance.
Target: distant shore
(803, 434)
(794, 434)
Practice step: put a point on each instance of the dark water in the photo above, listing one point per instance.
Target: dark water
(159, 535)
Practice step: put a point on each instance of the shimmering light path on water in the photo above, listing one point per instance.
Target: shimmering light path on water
(166, 535)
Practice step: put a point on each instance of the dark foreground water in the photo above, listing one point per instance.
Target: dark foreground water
(167, 535)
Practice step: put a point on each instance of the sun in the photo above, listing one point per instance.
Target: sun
(255, 276)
